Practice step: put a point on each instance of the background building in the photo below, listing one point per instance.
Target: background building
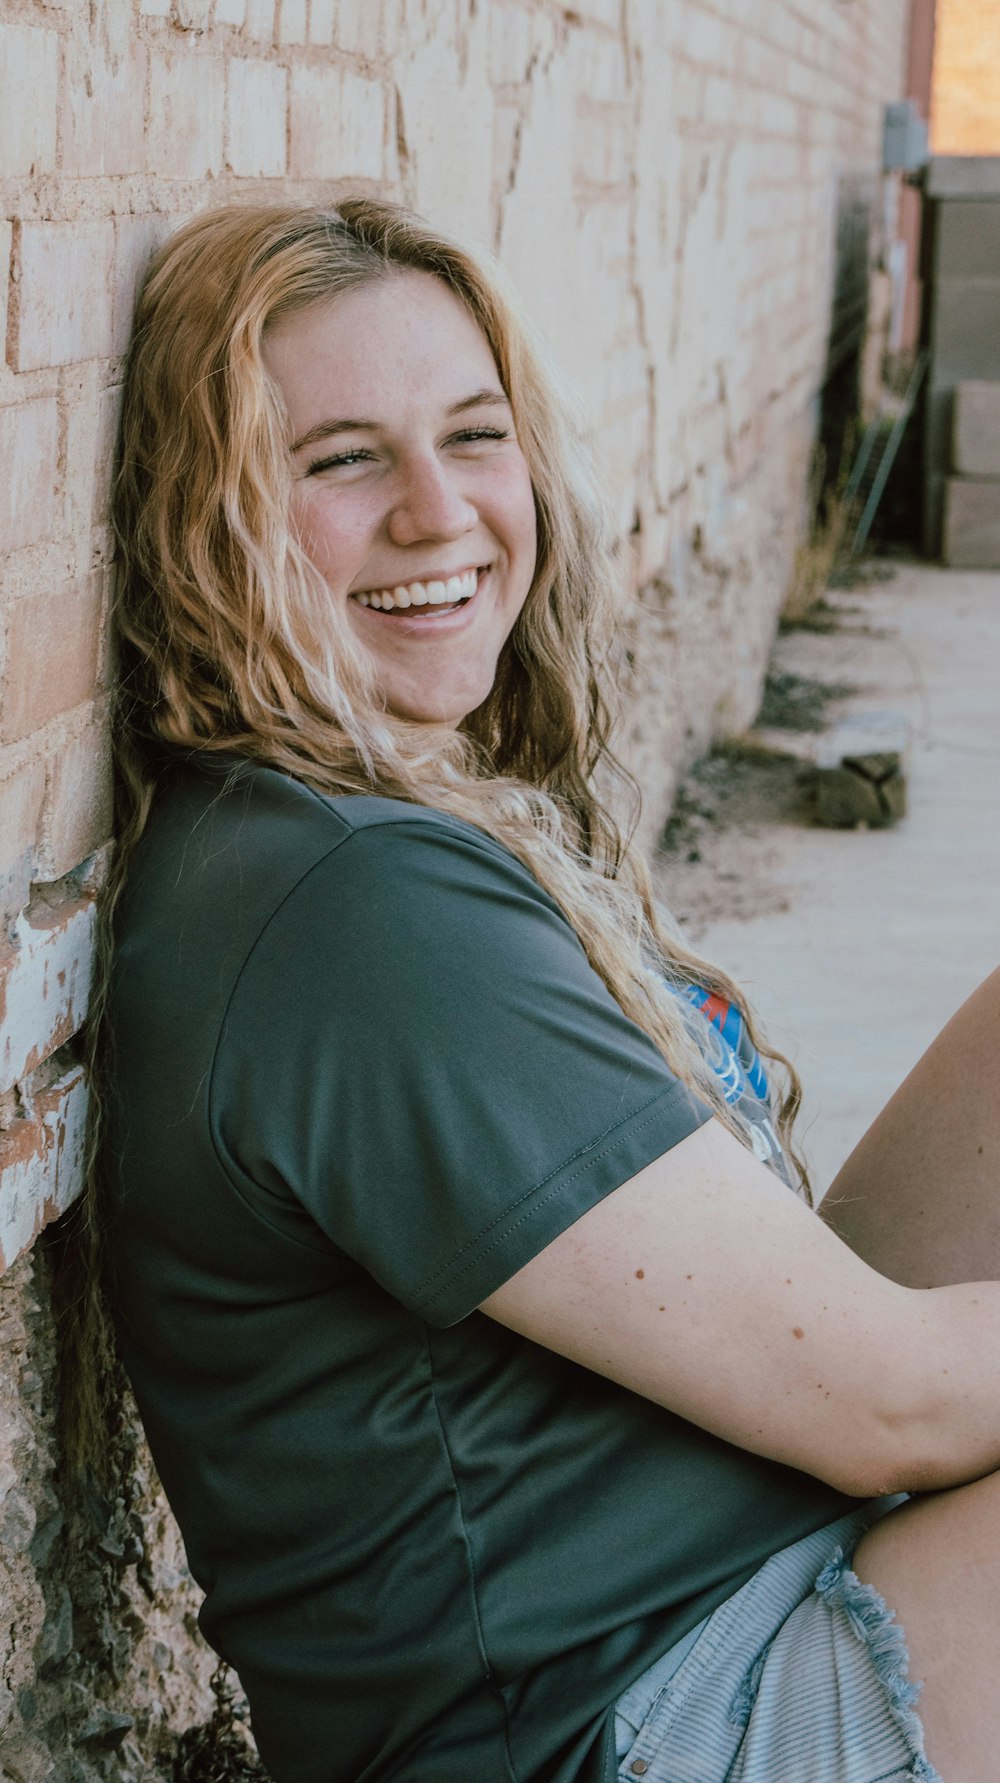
(690, 198)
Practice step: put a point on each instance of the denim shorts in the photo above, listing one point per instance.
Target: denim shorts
(801, 1677)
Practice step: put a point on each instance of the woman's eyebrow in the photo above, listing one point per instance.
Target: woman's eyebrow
(353, 424)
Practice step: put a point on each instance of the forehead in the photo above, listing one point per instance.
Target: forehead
(377, 350)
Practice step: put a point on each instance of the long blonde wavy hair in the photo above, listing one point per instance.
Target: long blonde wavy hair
(228, 641)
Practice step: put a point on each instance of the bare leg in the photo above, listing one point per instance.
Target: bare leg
(919, 1197)
(936, 1562)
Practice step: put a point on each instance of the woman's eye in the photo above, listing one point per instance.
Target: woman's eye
(484, 433)
(357, 455)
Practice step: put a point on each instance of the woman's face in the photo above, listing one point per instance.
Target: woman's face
(411, 494)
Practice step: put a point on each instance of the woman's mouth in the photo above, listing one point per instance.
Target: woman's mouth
(419, 600)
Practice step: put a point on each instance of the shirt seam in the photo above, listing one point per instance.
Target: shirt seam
(489, 1676)
(352, 832)
(587, 1155)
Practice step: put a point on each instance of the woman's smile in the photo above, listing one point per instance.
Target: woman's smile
(410, 490)
(432, 597)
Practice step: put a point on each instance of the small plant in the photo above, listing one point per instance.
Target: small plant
(835, 514)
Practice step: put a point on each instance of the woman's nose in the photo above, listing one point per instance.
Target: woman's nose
(430, 504)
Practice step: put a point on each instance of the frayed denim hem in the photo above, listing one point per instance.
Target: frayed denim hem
(874, 1623)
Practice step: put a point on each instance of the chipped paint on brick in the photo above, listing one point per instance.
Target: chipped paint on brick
(41, 1163)
(45, 972)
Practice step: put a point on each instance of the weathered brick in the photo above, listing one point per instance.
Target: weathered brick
(136, 240)
(510, 44)
(258, 111)
(358, 26)
(321, 21)
(29, 81)
(90, 439)
(50, 666)
(76, 816)
(6, 240)
(29, 446)
(260, 20)
(292, 21)
(338, 122)
(187, 98)
(230, 12)
(22, 789)
(41, 1164)
(64, 310)
(45, 972)
(103, 117)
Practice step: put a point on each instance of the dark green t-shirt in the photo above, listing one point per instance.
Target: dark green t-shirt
(364, 1072)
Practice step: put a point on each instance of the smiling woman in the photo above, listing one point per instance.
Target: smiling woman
(519, 1422)
(428, 514)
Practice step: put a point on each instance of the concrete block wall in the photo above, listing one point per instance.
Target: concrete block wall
(661, 182)
(963, 199)
(971, 532)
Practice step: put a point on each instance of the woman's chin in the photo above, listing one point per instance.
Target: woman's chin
(436, 705)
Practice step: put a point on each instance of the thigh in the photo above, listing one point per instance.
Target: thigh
(937, 1561)
(798, 1678)
(919, 1197)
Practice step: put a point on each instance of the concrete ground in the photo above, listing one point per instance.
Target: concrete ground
(855, 946)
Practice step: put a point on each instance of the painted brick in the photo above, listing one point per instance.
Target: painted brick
(77, 814)
(157, 9)
(338, 121)
(292, 21)
(45, 973)
(41, 1163)
(64, 312)
(29, 83)
(358, 27)
(51, 658)
(510, 44)
(6, 241)
(230, 12)
(136, 240)
(187, 97)
(321, 21)
(29, 446)
(193, 15)
(22, 789)
(260, 20)
(258, 109)
(103, 116)
(90, 438)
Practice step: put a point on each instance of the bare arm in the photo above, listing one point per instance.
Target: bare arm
(705, 1286)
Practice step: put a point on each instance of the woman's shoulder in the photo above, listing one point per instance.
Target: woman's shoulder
(222, 828)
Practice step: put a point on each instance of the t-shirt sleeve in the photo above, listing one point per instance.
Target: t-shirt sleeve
(419, 1052)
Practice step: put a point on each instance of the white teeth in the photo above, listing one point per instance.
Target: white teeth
(422, 594)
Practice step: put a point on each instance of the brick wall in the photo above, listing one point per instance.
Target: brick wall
(965, 103)
(662, 181)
